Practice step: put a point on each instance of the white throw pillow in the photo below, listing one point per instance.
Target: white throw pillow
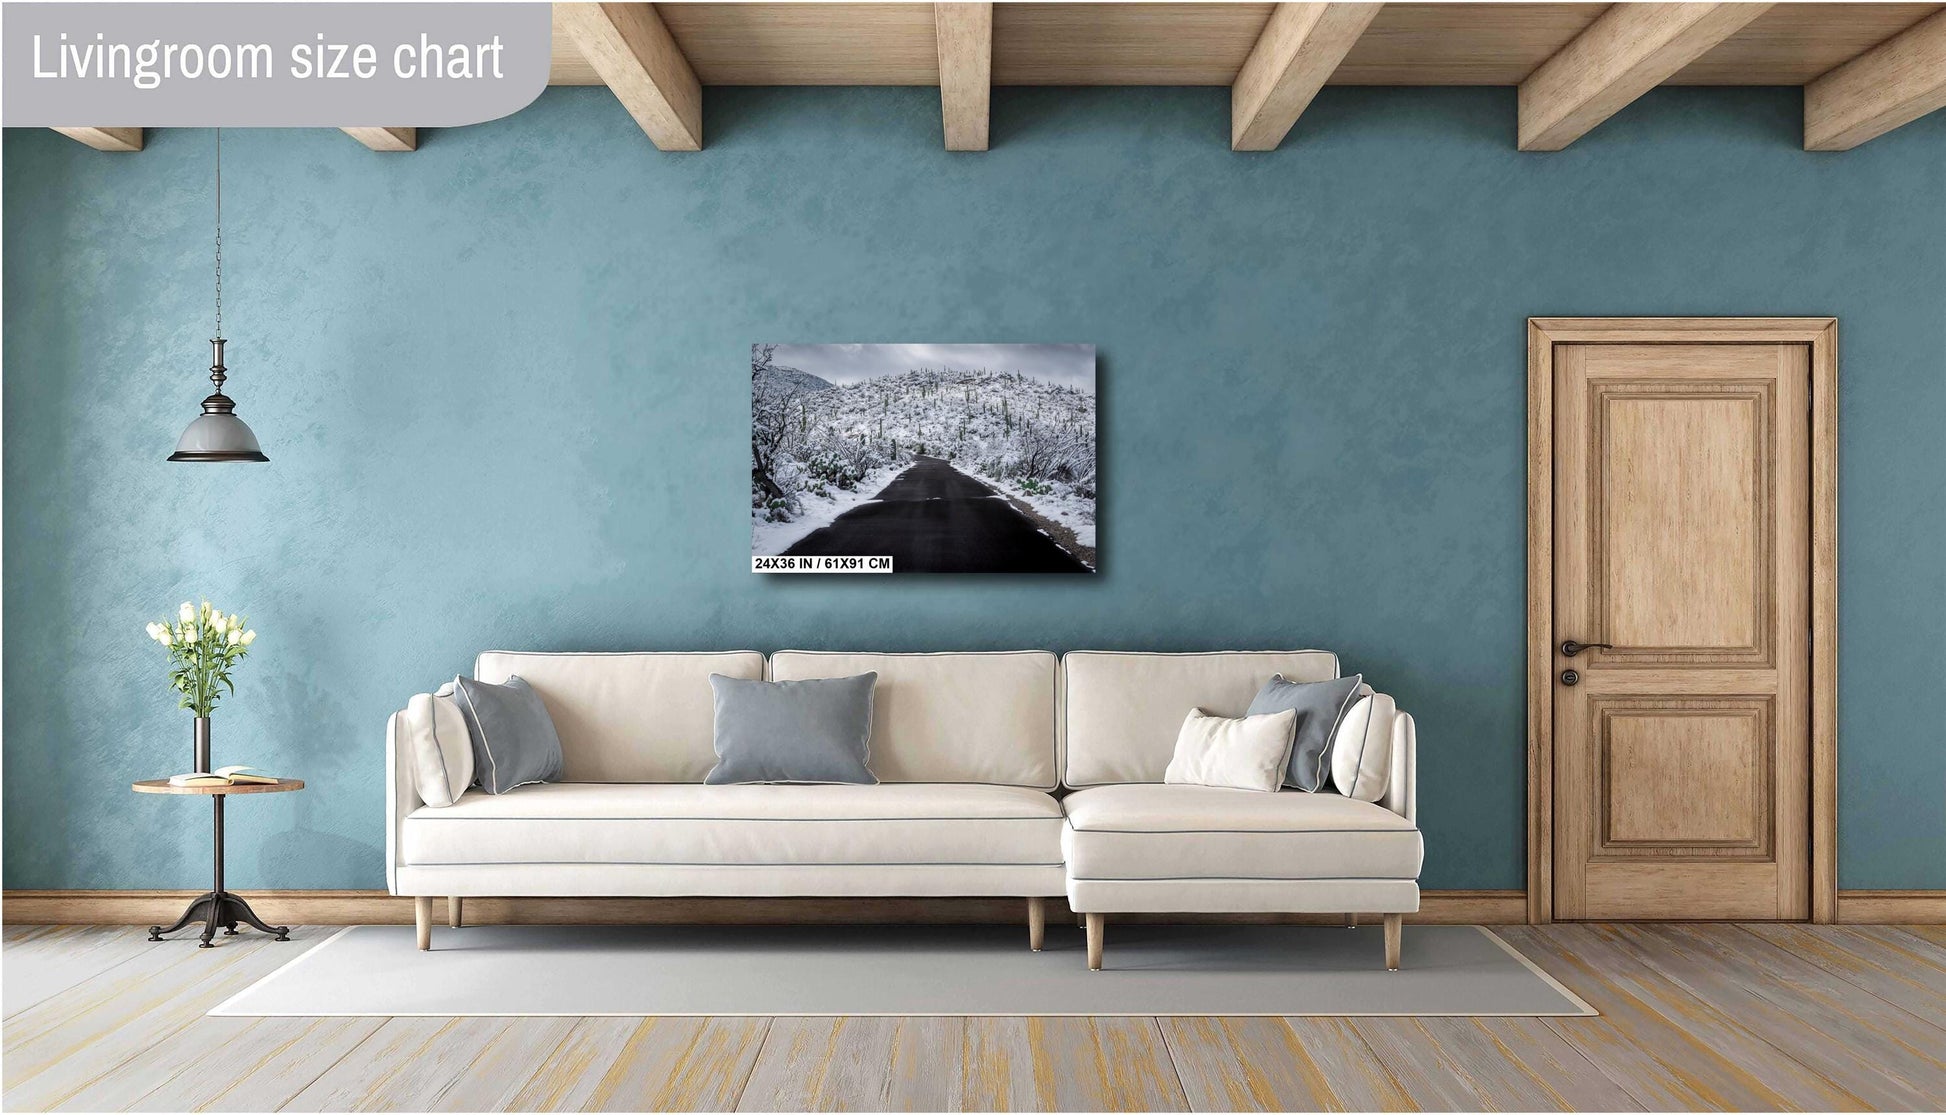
(1361, 751)
(437, 746)
(1245, 753)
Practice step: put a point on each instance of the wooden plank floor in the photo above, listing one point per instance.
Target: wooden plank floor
(1789, 1017)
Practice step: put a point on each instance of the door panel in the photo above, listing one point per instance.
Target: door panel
(1655, 756)
(1646, 526)
(1681, 536)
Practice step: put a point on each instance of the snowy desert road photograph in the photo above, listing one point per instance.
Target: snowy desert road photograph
(967, 458)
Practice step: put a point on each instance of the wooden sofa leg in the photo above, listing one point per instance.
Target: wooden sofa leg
(1351, 921)
(1081, 921)
(1394, 927)
(453, 910)
(422, 909)
(1094, 922)
(1036, 923)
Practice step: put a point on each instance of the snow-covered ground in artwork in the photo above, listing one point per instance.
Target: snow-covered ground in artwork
(1075, 512)
(769, 539)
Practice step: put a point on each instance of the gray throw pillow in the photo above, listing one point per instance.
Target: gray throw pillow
(514, 742)
(793, 731)
(1319, 706)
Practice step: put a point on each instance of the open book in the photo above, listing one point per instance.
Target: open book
(224, 776)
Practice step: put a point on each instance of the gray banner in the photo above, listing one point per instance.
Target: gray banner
(269, 64)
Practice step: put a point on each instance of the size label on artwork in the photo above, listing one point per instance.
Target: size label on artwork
(820, 565)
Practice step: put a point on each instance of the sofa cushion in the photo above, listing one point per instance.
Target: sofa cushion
(1320, 706)
(438, 745)
(1198, 832)
(1241, 753)
(973, 717)
(583, 823)
(813, 732)
(514, 741)
(1361, 750)
(1123, 708)
(634, 717)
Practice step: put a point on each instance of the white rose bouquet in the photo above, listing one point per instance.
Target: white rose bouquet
(203, 645)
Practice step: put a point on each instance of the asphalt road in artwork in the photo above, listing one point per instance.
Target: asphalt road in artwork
(933, 518)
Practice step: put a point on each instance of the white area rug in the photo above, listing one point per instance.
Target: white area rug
(904, 970)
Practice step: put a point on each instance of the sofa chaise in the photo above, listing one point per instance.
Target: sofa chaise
(1133, 844)
(1004, 774)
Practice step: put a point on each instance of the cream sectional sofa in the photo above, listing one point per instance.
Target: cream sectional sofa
(1008, 774)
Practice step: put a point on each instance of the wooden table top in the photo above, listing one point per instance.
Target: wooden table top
(161, 786)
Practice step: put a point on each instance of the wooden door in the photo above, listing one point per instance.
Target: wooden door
(1682, 495)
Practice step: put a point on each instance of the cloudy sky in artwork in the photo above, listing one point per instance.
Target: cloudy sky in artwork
(1071, 365)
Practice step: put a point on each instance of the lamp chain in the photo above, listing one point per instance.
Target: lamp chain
(219, 232)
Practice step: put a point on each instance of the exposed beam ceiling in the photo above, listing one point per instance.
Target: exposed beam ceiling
(1866, 67)
(1793, 44)
(1630, 50)
(1461, 44)
(640, 62)
(1124, 44)
(106, 139)
(808, 44)
(1894, 83)
(1206, 44)
(385, 139)
(1297, 52)
(965, 36)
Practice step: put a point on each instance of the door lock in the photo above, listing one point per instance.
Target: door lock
(1572, 648)
(1570, 677)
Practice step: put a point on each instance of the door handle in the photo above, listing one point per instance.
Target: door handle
(1572, 648)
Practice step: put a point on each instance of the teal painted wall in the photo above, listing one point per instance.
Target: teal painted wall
(502, 385)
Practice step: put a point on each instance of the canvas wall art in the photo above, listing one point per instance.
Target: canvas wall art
(876, 458)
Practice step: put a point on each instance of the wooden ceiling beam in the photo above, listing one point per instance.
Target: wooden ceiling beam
(1300, 47)
(1894, 83)
(965, 34)
(385, 139)
(640, 62)
(106, 139)
(1630, 50)
(1170, 43)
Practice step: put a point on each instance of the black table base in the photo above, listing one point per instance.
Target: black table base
(218, 906)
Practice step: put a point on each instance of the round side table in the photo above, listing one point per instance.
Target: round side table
(219, 906)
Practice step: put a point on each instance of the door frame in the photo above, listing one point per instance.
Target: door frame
(1821, 334)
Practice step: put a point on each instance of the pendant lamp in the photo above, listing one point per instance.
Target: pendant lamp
(218, 434)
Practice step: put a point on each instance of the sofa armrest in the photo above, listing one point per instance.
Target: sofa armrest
(401, 798)
(1402, 791)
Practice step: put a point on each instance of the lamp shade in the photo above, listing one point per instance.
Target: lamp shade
(218, 436)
